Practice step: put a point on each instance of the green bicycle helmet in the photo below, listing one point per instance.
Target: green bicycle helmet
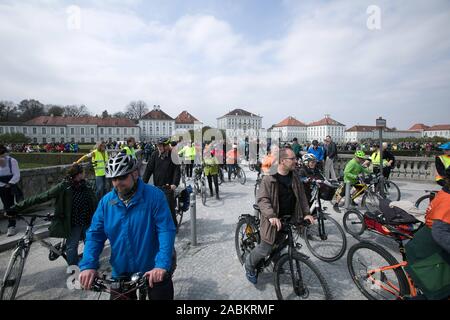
(360, 154)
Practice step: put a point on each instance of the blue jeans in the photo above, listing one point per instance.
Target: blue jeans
(76, 234)
(100, 187)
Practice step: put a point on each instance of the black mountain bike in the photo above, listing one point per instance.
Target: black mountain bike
(122, 289)
(13, 274)
(295, 275)
(325, 239)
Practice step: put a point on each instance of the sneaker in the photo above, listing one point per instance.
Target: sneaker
(11, 231)
(252, 276)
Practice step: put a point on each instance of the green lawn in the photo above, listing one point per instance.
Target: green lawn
(32, 165)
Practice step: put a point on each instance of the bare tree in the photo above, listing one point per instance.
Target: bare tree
(56, 111)
(76, 111)
(8, 111)
(105, 114)
(136, 110)
(119, 115)
(30, 109)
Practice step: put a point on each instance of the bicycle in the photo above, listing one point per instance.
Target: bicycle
(200, 184)
(181, 204)
(122, 288)
(293, 271)
(238, 172)
(424, 202)
(325, 239)
(381, 280)
(13, 274)
(368, 189)
(183, 173)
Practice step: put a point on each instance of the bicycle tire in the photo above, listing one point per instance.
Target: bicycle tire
(257, 185)
(179, 219)
(394, 186)
(423, 200)
(13, 275)
(311, 234)
(203, 194)
(243, 245)
(303, 262)
(241, 176)
(399, 273)
(359, 219)
(374, 201)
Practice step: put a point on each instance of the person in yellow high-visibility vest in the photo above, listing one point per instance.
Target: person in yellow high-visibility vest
(99, 158)
(442, 163)
(188, 153)
(129, 148)
(375, 159)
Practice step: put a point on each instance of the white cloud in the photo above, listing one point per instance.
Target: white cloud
(327, 61)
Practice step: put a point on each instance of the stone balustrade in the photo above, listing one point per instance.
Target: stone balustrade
(406, 168)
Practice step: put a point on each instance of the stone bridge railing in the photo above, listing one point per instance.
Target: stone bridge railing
(406, 168)
(34, 181)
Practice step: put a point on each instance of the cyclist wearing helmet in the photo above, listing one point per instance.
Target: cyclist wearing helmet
(318, 152)
(166, 174)
(353, 169)
(442, 163)
(136, 220)
(308, 172)
(75, 204)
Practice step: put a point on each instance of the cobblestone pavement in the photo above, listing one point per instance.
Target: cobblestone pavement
(211, 269)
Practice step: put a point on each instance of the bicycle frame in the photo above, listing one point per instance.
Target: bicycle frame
(390, 287)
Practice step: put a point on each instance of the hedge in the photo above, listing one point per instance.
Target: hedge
(50, 159)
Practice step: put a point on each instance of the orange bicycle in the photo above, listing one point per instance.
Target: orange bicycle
(377, 274)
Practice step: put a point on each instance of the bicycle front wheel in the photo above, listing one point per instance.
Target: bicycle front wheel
(326, 239)
(304, 282)
(13, 275)
(368, 265)
(353, 222)
(423, 203)
(203, 194)
(392, 191)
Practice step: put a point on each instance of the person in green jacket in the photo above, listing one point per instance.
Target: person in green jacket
(354, 168)
(75, 204)
(211, 169)
(296, 148)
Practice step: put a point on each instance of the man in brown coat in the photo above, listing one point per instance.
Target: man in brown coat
(280, 195)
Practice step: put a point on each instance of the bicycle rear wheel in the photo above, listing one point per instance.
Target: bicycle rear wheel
(13, 274)
(246, 237)
(326, 239)
(304, 283)
(203, 194)
(384, 284)
(370, 201)
(241, 176)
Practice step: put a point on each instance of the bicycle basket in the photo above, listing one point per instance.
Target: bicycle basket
(185, 198)
(327, 192)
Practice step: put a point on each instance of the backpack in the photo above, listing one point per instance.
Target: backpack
(395, 216)
(185, 195)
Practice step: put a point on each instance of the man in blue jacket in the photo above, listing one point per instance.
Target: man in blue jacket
(136, 220)
(318, 152)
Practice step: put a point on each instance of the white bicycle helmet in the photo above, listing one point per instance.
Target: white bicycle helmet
(120, 165)
(308, 157)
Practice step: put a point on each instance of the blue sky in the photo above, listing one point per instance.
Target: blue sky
(274, 58)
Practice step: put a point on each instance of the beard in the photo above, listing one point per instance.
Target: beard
(127, 193)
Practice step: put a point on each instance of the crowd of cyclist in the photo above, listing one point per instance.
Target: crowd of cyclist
(139, 221)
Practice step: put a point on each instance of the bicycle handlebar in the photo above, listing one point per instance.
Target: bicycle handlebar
(137, 281)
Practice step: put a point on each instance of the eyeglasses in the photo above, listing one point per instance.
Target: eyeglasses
(293, 158)
(121, 178)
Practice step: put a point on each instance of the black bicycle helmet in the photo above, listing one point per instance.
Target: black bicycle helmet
(163, 140)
